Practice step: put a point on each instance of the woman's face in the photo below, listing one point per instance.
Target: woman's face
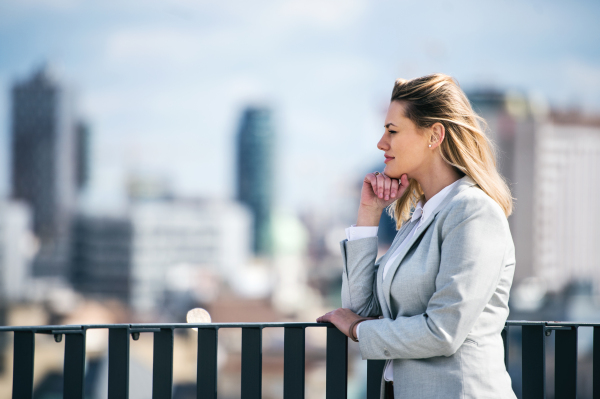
(405, 148)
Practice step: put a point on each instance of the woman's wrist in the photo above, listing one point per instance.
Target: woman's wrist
(368, 216)
(355, 329)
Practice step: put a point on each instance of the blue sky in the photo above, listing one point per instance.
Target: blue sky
(162, 83)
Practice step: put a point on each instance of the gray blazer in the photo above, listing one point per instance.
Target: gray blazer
(444, 300)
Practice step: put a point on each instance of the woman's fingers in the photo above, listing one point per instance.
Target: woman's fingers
(386, 187)
(380, 185)
(394, 188)
(325, 318)
(404, 180)
(373, 180)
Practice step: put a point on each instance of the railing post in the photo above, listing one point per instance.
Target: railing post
(596, 364)
(118, 363)
(336, 364)
(74, 366)
(162, 364)
(24, 351)
(293, 363)
(534, 362)
(374, 376)
(251, 362)
(565, 363)
(207, 363)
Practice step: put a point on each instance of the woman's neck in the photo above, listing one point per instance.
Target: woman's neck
(434, 181)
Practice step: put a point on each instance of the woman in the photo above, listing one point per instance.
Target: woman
(435, 304)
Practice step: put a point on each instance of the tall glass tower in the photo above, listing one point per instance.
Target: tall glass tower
(255, 174)
(44, 164)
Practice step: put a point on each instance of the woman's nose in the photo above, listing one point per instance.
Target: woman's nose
(382, 145)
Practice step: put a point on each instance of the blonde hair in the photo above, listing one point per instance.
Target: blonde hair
(439, 98)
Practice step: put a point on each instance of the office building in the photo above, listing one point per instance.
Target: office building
(82, 145)
(176, 244)
(255, 173)
(101, 256)
(566, 212)
(550, 159)
(44, 164)
(161, 248)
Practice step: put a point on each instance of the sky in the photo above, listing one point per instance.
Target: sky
(162, 83)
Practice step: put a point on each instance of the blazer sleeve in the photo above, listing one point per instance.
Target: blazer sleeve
(474, 239)
(359, 276)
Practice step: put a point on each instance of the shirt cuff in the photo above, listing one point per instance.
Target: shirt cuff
(357, 331)
(357, 232)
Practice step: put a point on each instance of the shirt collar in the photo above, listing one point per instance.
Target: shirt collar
(423, 211)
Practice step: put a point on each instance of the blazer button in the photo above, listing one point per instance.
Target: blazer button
(386, 352)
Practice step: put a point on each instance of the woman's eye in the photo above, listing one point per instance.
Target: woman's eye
(392, 131)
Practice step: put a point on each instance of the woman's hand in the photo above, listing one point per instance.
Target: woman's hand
(341, 318)
(378, 191)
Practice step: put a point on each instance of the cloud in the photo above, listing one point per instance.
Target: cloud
(152, 45)
(331, 14)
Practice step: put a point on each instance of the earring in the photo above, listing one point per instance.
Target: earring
(429, 145)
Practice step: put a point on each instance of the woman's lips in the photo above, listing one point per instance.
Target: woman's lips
(387, 159)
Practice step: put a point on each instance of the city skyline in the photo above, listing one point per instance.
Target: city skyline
(327, 67)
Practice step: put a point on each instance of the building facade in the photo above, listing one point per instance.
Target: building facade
(17, 248)
(101, 256)
(566, 212)
(161, 250)
(255, 173)
(44, 164)
(550, 160)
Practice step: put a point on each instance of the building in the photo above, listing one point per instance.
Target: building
(101, 256)
(17, 248)
(44, 164)
(550, 159)
(162, 251)
(255, 173)
(82, 144)
(184, 246)
(566, 213)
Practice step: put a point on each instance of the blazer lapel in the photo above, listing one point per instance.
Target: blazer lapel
(465, 182)
(400, 236)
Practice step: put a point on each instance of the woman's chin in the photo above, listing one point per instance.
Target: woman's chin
(392, 174)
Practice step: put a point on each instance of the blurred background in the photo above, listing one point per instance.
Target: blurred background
(162, 155)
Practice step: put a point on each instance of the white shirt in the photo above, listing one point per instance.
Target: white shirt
(421, 212)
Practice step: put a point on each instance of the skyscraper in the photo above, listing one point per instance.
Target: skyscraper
(82, 140)
(43, 164)
(255, 174)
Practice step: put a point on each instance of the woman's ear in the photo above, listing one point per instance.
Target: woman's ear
(438, 133)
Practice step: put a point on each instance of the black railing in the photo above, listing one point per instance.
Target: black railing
(533, 358)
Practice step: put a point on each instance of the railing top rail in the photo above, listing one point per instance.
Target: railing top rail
(551, 323)
(143, 326)
(53, 329)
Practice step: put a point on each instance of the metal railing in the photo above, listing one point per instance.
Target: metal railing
(533, 357)
(534, 334)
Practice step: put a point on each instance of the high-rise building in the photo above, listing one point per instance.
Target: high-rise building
(550, 159)
(566, 213)
(82, 140)
(44, 164)
(255, 173)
